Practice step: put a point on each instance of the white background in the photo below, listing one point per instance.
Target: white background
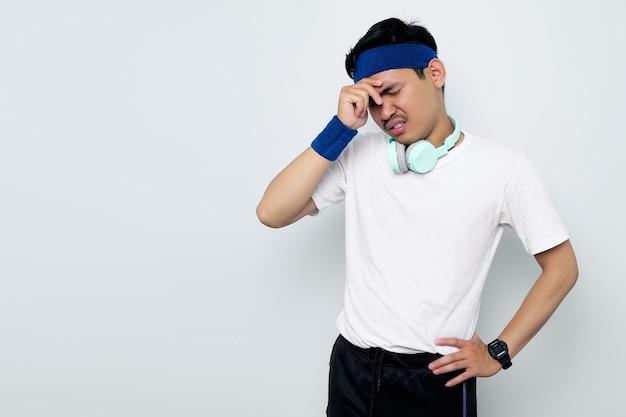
(136, 138)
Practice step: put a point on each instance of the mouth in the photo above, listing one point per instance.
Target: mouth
(395, 127)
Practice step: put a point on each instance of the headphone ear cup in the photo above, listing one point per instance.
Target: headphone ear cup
(397, 157)
(421, 156)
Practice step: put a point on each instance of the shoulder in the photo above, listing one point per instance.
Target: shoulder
(491, 153)
(492, 147)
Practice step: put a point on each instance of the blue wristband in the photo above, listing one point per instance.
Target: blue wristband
(333, 139)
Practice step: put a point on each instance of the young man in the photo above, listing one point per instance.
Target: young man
(425, 207)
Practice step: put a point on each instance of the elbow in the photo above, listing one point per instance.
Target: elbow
(574, 274)
(266, 216)
(561, 265)
(280, 215)
(570, 276)
(573, 268)
(570, 272)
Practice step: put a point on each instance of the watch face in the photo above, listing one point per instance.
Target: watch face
(498, 349)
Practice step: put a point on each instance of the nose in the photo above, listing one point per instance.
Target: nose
(387, 109)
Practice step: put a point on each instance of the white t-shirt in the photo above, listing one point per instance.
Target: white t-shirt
(419, 246)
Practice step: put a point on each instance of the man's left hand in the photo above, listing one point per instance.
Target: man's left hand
(472, 356)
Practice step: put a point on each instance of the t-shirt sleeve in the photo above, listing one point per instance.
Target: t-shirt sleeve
(332, 188)
(529, 210)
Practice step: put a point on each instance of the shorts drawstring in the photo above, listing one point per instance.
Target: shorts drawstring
(376, 356)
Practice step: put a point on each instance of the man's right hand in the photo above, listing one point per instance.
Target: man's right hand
(354, 101)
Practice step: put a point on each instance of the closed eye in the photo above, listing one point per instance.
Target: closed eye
(392, 92)
(391, 89)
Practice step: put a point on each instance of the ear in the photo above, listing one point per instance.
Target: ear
(437, 72)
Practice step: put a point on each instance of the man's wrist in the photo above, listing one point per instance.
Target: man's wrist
(499, 351)
(333, 139)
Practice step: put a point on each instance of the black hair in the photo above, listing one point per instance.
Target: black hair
(389, 32)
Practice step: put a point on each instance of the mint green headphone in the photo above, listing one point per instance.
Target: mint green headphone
(420, 156)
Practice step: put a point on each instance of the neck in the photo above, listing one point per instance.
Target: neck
(452, 135)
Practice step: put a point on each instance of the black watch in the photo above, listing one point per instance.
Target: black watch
(500, 352)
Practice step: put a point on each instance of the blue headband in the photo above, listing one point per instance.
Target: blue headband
(401, 55)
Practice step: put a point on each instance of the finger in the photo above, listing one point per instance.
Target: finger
(459, 379)
(354, 95)
(351, 109)
(451, 365)
(371, 85)
(361, 103)
(450, 341)
(366, 86)
(370, 81)
(364, 93)
(445, 361)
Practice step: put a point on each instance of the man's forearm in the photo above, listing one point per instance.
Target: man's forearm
(558, 276)
(287, 197)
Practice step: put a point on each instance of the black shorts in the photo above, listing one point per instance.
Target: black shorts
(375, 382)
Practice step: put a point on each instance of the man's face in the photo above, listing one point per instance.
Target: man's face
(411, 106)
